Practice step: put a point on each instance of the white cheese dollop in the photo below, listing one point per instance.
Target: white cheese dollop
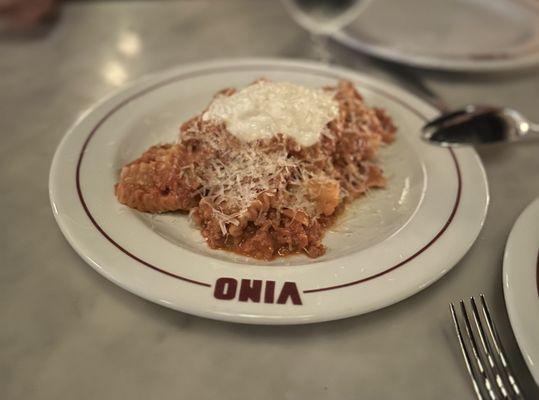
(264, 109)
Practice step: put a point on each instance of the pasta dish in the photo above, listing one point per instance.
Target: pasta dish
(265, 170)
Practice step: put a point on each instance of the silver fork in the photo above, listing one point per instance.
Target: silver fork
(492, 377)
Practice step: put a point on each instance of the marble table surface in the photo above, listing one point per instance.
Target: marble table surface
(66, 332)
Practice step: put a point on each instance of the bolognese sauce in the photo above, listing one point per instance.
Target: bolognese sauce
(251, 185)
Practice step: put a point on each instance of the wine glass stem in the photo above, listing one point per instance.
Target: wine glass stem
(320, 43)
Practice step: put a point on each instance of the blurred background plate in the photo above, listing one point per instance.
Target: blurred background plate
(444, 34)
(521, 284)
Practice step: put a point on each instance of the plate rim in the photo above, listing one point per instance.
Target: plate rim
(231, 62)
(518, 314)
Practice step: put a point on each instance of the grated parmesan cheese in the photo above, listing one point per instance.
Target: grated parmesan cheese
(239, 173)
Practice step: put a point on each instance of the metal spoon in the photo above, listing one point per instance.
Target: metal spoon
(477, 125)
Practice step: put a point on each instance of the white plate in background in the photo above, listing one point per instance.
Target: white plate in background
(462, 35)
(521, 284)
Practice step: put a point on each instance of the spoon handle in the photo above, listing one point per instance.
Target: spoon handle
(533, 130)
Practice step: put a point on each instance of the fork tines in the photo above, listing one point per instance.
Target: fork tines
(487, 365)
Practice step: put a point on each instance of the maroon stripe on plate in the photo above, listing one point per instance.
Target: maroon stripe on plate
(537, 274)
(417, 253)
(212, 70)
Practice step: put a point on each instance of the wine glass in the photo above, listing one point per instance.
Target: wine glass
(324, 17)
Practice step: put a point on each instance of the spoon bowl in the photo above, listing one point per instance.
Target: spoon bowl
(478, 125)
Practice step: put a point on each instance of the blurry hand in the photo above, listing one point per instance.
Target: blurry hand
(26, 13)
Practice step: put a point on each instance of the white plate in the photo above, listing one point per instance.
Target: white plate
(521, 284)
(388, 246)
(448, 34)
